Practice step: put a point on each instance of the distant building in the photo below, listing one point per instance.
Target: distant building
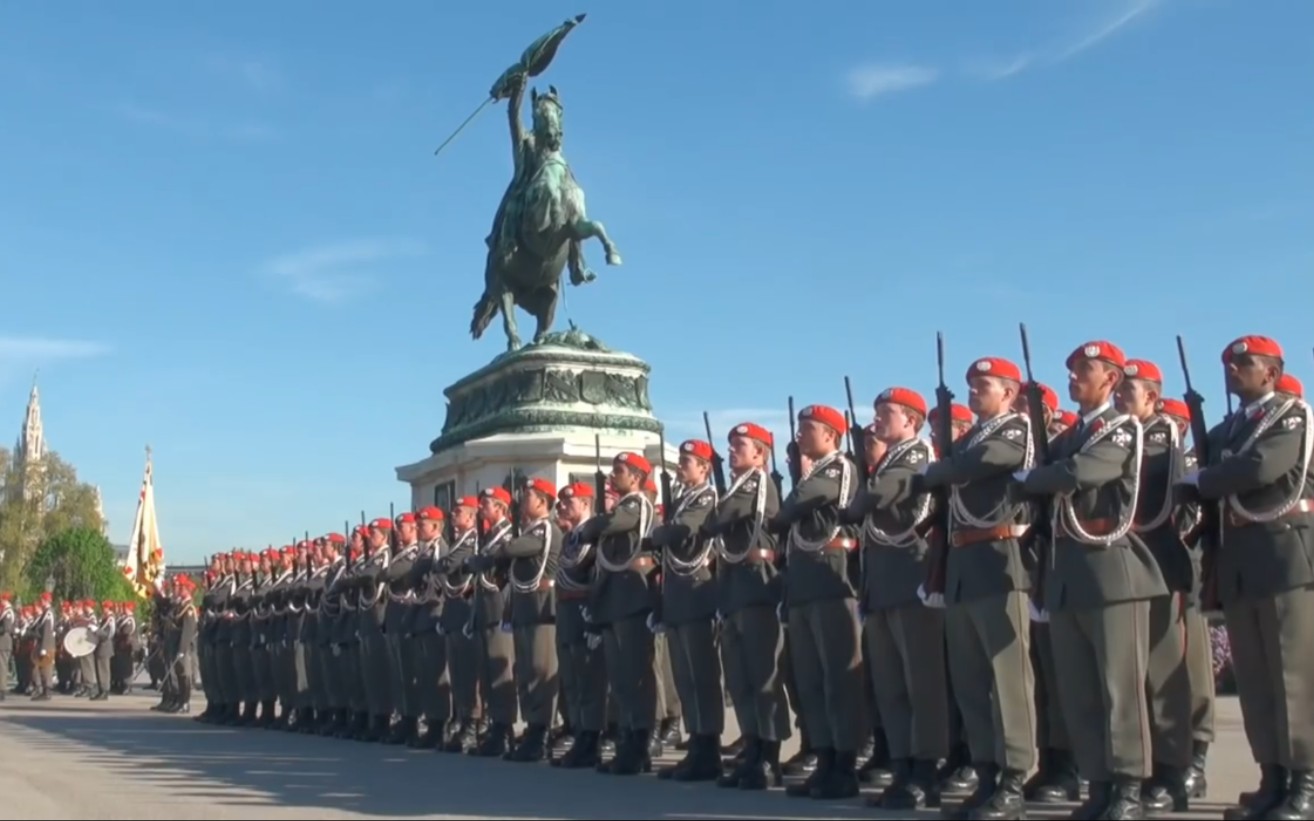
(30, 449)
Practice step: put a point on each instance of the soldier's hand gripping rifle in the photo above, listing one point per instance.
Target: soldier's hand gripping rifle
(793, 461)
(599, 479)
(1210, 528)
(938, 570)
(718, 463)
(1041, 537)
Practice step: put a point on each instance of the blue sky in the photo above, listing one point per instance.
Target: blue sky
(224, 232)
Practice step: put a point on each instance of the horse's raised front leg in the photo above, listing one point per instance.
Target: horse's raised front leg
(509, 320)
(579, 270)
(587, 229)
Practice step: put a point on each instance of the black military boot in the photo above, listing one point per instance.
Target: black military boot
(609, 740)
(1299, 803)
(825, 761)
(1097, 801)
(732, 777)
(766, 771)
(668, 730)
(987, 781)
(1270, 795)
(583, 754)
(1124, 800)
(655, 746)
(878, 770)
(1062, 783)
(560, 740)
(634, 758)
(734, 748)
(915, 787)
(901, 768)
(842, 781)
(495, 741)
(306, 720)
(533, 747)
(1165, 791)
(249, 714)
(1007, 803)
(673, 771)
(706, 762)
(1196, 783)
(427, 739)
(958, 776)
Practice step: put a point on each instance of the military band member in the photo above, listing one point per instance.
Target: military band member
(401, 647)
(103, 630)
(433, 687)
(1259, 473)
(8, 628)
(619, 604)
(494, 647)
(1099, 585)
(84, 615)
(820, 603)
(126, 644)
(688, 594)
(986, 590)
(909, 683)
(44, 628)
(529, 563)
(581, 665)
(1169, 683)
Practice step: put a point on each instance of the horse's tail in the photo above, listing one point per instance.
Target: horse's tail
(484, 311)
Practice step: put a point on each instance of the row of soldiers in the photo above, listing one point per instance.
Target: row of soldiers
(27, 633)
(1012, 610)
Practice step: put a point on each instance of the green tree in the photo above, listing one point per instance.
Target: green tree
(36, 504)
(79, 563)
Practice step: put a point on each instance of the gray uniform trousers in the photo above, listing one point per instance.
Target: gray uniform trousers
(696, 667)
(988, 640)
(908, 682)
(1200, 671)
(1102, 654)
(402, 672)
(1169, 682)
(433, 685)
(1274, 665)
(87, 670)
(753, 657)
(629, 652)
(376, 669)
(582, 669)
(668, 696)
(225, 665)
(1052, 729)
(495, 653)
(827, 659)
(536, 672)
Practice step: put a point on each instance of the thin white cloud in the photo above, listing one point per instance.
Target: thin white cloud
(193, 127)
(333, 272)
(23, 349)
(1002, 68)
(869, 81)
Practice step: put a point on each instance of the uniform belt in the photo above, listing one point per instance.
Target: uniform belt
(841, 543)
(546, 584)
(572, 595)
(1300, 508)
(764, 555)
(968, 536)
(641, 563)
(1097, 527)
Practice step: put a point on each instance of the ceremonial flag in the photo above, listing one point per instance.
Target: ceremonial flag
(144, 566)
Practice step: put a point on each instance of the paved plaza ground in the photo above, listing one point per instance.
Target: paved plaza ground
(74, 759)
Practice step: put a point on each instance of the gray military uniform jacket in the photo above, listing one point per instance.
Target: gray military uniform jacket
(622, 567)
(426, 581)
(748, 566)
(7, 629)
(985, 516)
(821, 554)
(529, 561)
(1158, 519)
(688, 589)
(457, 582)
(104, 632)
(1093, 472)
(894, 511)
(1261, 477)
(489, 601)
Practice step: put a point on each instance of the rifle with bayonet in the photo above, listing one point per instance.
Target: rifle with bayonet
(1210, 528)
(857, 436)
(1040, 537)
(718, 463)
(793, 462)
(938, 567)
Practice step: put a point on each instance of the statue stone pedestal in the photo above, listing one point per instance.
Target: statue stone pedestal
(539, 411)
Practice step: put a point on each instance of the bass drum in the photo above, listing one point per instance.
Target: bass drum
(78, 642)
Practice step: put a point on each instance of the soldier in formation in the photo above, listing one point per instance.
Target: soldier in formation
(1019, 612)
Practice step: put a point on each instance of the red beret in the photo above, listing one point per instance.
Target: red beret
(1101, 350)
(635, 461)
(1257, 345)
(907, 397)
(994, 366)
(1175, 408)
(1142, 369)
(1290, 385)
(407, 518)
(429, 514)
(107, 605)
(577, 489)
(381, 524)
(957, 413)
(697, 447)
(131, 605)
(650, 485)
(6, 595)
(360, 530)
(756, 432)
(336, 538)
(543, 486)
(826, 415)
(467, 501)
(1048, 396)
(1068, 418)
(498, 494)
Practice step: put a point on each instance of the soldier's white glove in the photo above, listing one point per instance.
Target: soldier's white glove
(468, 630)
(654, 626)
(720, 617)
(781, 616)
(587, 614)
(337, 650)
(1040, 616)
(1192, 478)
(506, 627)
(935, 601)
(1021, 475)
(438, 628)
(594, 641)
